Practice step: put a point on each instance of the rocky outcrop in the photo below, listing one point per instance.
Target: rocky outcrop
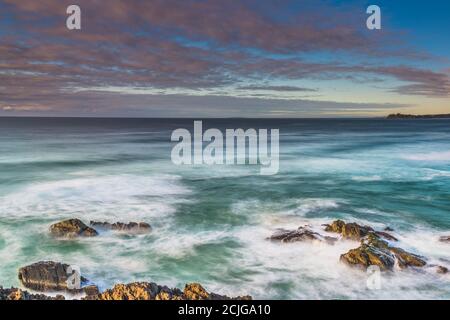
(18, 294)
(131, 227)
(301, 234)
(375, 251)
(72, 228)
(354, 231)
(47, 276)
(152, 291)
(445, 239)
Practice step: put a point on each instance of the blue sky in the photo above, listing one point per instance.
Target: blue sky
(216, 58)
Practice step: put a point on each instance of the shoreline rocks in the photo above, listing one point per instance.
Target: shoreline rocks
(131, 227)
(72, 228)
(301, 234)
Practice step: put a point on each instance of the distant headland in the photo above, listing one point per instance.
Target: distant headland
(415, 116)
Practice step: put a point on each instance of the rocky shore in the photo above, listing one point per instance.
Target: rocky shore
(376, 248)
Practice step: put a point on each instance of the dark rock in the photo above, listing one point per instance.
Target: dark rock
(441, 270)
(131, 227)
(72, 228)
(301, 234)
(18, 294)
(152, 291)
(445, 239)
(46, 276)
(388, 229)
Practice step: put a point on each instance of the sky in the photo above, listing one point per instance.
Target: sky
(224, 58)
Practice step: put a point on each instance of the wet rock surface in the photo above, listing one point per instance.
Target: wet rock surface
(131, 227)
(301, 234)
(72, 228)
(46, 276)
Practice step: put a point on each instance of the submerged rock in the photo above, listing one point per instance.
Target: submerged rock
(375, 251)
(445, 239)
(354, 231)
(152, 291)
(441, 270)
(301, 234)
(47, 276)
(72, 228)
(18, 294)
(131, 227)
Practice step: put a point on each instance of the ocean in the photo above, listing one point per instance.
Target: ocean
(211, 223)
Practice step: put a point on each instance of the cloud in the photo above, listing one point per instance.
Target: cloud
(207, 46)
(277, 88)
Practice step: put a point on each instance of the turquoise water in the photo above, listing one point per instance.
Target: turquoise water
(211, 222)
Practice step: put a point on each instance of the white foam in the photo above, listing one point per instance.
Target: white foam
(432, 156)
(367, 178)
(97, 197)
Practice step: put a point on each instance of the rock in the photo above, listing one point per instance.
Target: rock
(72, 228)
(301, 234)
(131, 227)
(351, 231)
(445, 239)
(388, 229)
(91, 290)
(18, 294)
(46, 276)
(375, 251)
(366, 256)
(386, 235)
(406, 259)
(441, 270)
(354, 231)
(152, 291)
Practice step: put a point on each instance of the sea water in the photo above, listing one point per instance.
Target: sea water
(210, 223)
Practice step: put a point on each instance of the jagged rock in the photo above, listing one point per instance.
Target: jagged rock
(366, 256)
(91, 290)
(131, 227)
(354, 231)
(72, 228)
(375, 251)
(152, 291)
(406, 259)
(18, 294)
(46, 276)
(351, 231)
(301, 234)
(445, 239)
